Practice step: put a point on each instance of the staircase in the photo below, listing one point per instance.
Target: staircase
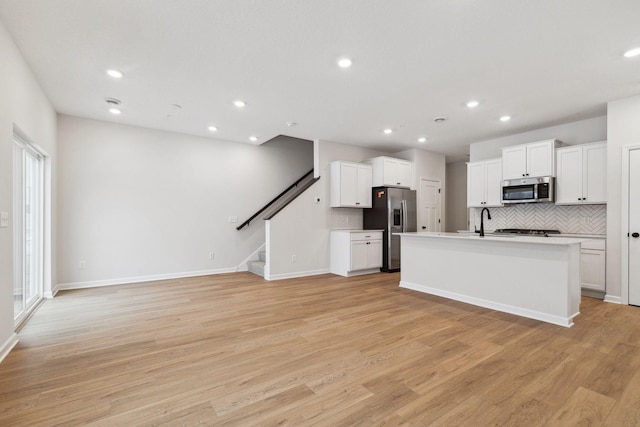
(257, 266)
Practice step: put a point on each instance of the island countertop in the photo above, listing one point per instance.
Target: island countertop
(511, 238)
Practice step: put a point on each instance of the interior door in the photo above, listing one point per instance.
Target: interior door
(634, 227)
(429, 205)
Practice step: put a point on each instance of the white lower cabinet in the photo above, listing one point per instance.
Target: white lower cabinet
(592, 265)
(354, 252)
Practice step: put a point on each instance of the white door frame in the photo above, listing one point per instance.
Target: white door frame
(624, 226)
(425, 178)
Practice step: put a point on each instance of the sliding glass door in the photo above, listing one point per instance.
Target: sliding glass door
(27, 232)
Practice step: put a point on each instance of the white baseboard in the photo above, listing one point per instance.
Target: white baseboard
(613, 299)
(52, 293)
(296, 274)
(139, 279)
(8, 345)
(531, 314)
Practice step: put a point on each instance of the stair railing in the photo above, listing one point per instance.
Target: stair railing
(276, 199)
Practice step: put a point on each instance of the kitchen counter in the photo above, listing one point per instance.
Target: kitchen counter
(535, 277)
(562, 240)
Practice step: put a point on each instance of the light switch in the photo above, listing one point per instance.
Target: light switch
(4, 219)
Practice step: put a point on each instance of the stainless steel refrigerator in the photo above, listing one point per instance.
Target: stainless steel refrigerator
(393, 210)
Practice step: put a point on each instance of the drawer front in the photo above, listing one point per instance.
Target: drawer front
(595, 244)
(371, 235)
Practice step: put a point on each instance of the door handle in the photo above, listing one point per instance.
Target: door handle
(424, 228)
(404, 216)
(636, 235)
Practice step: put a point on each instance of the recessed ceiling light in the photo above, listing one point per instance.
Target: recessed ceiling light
(505, 118)
(212, 128)
(473, 104)
(115, 111)
(239, 103)
(253, 138)
(344, 62)
(115, 74)
(388, 131)
(633, 52)
(422, 139)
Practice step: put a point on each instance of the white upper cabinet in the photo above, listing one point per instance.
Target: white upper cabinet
(581, 174)
(388, 171)
(529, 160)
(350, 184)
(483, 183)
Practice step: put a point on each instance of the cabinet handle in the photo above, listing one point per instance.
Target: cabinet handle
(357, 203)
(397, 183)
(368, 243)
(523, 174)
(636, 235)
(579, 198)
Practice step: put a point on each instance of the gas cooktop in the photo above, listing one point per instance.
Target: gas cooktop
(525, 231)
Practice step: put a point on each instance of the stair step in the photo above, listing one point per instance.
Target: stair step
(262, 256)
(256, 267)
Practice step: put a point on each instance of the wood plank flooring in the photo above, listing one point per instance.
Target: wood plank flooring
(235, 350)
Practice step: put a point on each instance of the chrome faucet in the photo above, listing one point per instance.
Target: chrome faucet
(482, 220)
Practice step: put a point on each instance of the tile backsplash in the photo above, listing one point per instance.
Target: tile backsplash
(582, 219)
(346, 219)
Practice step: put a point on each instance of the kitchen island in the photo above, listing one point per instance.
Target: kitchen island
(535, 277)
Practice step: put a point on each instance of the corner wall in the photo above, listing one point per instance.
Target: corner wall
(456, 190)
(302, 228)
(431, 165)
(25, 106)
(138, 204)
(623, 128)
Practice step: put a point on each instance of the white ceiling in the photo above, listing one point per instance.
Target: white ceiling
(543, 62)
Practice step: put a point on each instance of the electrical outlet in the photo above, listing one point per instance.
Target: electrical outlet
(293, 258)
(83, 265)
(212, 255)
(4, 219)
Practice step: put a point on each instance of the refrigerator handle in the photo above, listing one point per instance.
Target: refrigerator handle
(404, 216)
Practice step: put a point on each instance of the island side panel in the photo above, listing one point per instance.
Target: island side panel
(528, 279)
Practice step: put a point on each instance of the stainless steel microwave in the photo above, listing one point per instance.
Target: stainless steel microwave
(529, 190)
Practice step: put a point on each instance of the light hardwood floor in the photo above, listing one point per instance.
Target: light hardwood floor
(236, 350)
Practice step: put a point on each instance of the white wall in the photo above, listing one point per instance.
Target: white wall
(302, 229)
(24, 105)
(623, 128)
(580, 132)
(431, 165)
(138, 204)
(456, 191)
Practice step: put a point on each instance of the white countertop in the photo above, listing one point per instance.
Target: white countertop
(354, 230)
(510, 238)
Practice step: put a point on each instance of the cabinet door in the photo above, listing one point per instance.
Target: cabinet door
(492, 180)
(569, 175)
(592, 269)
(374, 254)
(540, 159)
(364, 186)
(594, 174)
(391, 172)
(359, 255)
(348, 184)
(475, 184)
(404, 174)
(514, 162)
